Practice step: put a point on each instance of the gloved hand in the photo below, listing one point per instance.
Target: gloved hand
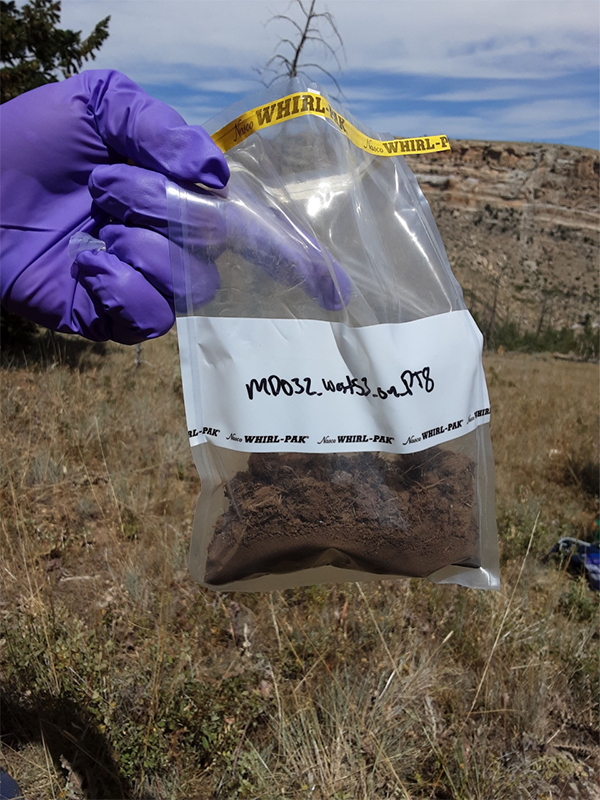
(52, 140)
(64, 147)
(238, 219)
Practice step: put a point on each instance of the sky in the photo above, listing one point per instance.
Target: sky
(510, 70)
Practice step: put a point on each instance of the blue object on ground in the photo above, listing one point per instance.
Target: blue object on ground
(584, 558)
(9, 788)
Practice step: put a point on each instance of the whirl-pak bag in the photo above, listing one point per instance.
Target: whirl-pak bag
(336, 403)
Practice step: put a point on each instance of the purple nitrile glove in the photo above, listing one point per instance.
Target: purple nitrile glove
(62, 172)
(236, 219)
(271, 239)
(52, 140)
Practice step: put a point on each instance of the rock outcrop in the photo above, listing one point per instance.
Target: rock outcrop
(521, 225)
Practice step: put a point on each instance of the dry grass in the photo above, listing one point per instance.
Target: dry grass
(121, 678)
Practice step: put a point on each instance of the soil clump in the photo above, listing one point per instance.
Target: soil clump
(404, 515)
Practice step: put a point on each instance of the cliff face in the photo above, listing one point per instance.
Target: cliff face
(521, 224)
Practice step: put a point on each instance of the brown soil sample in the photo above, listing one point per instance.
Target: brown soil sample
(397, 515)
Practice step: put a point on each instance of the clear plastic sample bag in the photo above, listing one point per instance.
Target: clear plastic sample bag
(336, 403)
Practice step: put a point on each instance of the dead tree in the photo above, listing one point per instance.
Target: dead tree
(287, 61)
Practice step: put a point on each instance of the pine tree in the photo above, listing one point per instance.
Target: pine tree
(35, 51)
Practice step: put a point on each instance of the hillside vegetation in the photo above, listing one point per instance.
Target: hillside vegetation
(122, 679)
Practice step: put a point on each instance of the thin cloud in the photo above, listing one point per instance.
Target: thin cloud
(490, 94)
(545, 111)
(443, 37)
(559, 120)
(471, 69)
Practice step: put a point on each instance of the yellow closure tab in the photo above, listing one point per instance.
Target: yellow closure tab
(302, 103)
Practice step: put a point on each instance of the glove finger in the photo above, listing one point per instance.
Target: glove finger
(148, 252)
(136, 310)
(138, 197)
(130, 194)
(288, 254)
(145, 250)
(151, 133)
(198, 287)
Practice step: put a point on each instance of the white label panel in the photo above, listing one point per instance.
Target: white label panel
(287, 385)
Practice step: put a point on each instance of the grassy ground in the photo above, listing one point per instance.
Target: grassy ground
(122, 679)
